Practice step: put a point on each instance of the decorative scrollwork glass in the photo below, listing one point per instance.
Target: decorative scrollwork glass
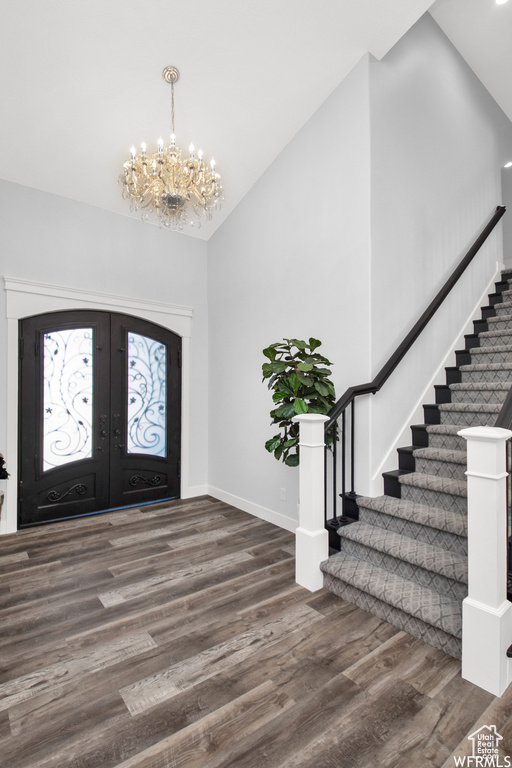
(67, 399)
(147, 382)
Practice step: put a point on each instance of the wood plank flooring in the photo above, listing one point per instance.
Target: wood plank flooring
(174, 636)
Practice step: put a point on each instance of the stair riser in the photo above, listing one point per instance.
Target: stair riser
(449, 442)
(488, 355)
(434, 536)
(435, 498)
(441, 468)
(469, 418)
(480, 377)
(435, 637)
(498, 323)
(448, 587)
(479, 396)
(503, 308)
(495, 341)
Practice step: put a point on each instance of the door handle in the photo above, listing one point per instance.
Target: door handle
(102, 430)
(116, 431)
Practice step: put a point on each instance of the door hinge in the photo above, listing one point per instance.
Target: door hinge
(22, 347)
(179, 358)
(179, 469)
(20, 491)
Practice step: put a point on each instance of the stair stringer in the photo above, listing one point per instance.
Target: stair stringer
(416, 413)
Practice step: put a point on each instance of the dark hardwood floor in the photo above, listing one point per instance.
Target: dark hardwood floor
(174, 636)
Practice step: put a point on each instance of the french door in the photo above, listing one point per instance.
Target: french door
(99, 417)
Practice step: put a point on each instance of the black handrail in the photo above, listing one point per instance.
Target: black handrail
(349, 396)
(385, 372)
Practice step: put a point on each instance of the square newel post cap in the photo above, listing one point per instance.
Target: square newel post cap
(311, 428)
(309, 418)
(485, 434)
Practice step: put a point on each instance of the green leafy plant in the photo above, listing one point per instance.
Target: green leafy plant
(298, 376)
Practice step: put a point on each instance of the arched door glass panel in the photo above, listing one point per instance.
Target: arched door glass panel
(68, 396)
(147, 398)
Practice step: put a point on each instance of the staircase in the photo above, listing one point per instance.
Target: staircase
(405, 560)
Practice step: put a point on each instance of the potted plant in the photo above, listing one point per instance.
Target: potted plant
(298, 377)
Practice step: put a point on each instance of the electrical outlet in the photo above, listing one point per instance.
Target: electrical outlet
(282, 494)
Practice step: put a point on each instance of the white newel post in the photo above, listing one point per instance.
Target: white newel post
(486, 612)
(311, 537)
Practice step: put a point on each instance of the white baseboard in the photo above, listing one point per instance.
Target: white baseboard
(195, 490)
(254, 509)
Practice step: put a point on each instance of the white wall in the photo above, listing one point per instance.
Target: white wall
(54, 240)
(281, 266)
(506, 186)
(438, 144)
(290, 261)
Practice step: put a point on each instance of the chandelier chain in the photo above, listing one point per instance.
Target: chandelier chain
(172, 105)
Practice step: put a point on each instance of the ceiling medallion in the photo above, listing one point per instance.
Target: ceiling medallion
(170, 189)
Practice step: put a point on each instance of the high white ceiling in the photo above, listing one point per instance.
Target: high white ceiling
(81, 80)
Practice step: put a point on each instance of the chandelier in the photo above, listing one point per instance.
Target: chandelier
(170, 188)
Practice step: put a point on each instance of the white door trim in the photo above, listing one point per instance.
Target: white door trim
(25, 298)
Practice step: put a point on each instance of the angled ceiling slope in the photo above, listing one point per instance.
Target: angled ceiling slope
(81, 82)
(481, 30)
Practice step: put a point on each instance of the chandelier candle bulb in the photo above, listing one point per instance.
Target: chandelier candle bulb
(175, 189)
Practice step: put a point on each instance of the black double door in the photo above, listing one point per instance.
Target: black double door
(100, 414)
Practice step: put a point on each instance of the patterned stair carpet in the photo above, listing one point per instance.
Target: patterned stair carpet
(405, 560)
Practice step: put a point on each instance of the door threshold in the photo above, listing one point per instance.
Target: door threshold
(98, 512)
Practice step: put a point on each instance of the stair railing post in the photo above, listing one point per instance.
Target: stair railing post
(311, 537)
(486, 612)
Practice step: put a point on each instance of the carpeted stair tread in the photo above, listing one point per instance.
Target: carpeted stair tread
(441, 454)
(482, 386)
(491, 321)
(423, 603)
(432, 517)
(470, 407)
(466, 415)
(479, 392)
(404, 621)
(446, 436)
(495, 334)
(435, 483)
(504, 306)
(486, 366)
(417, 553)
(505, 348)
(443, 429)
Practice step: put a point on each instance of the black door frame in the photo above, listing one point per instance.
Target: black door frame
(28, 297)
(110, 486)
